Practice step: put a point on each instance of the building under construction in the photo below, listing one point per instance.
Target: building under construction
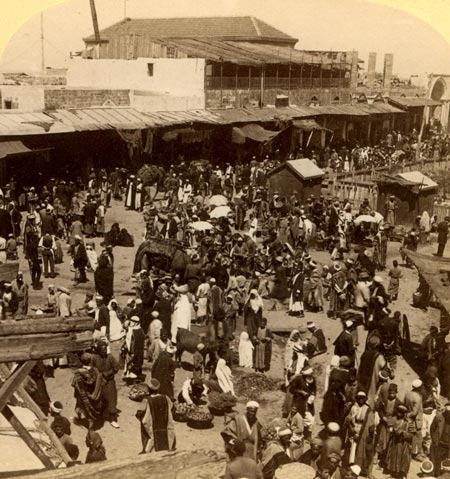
(248, 62)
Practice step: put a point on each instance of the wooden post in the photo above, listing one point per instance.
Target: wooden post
(221, 83)
(13, 381)
(27, 437)
(29, 402)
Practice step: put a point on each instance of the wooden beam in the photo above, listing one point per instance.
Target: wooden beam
(46, 325)
(30, 404)
(13, 381)
(40, 346)
(27, 437)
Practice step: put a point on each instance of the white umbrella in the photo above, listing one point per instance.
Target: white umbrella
(201, 226)
(378, 217)
(364, 219)
(220, 212)
(217, 200)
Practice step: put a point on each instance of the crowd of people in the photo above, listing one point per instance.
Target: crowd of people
(242, 254)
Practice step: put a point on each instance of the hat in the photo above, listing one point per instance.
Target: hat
(99, 297)
(298, 348)
(56, 406)
(350, 261)
(402, 408)
(200, 346)
(378, 279)
(77, 237)
(383, 374)
(171, 349)
(337, 266)
(333, 427)
(310, 324)
(364, 275)
(130, 301)
(212, 280)
(361, 394)
(154, 384)
(63, 289)
(445, 465)
(416, 384)
(316, 441)
(349, 323)
(252, 405)
(427, 467)
(284, 432)
(279, 259)
(334, 456)
(138, 301)
(51, 286)
(345, 361)
(155, 314)
(355, 469)
(307, 372)
(135, 319)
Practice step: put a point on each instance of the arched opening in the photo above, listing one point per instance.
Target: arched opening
(438, 90)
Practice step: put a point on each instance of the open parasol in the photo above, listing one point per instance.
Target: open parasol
(364, 219)
(220, 212)
(201, 226)
(217, 200)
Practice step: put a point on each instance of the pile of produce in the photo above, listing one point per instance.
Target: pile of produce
(181, 410)
(221, 403)
(138, 392)
(251, 386)
(198, 419)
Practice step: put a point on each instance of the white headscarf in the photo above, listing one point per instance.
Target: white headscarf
(245, 351)
(224, 376)
(257, 303)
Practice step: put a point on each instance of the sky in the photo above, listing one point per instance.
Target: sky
(319, 24)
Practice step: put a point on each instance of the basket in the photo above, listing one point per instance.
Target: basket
(220, 412)
(195, 424)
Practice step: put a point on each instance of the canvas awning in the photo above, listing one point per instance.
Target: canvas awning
(187, 135)
(308, 125)
(436, 272)
(252, 132)
(13, 148)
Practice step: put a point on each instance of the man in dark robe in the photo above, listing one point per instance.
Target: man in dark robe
(442, 229)
(107, 365)
(344, 344)
(104, 279)
(155, 416)
(6, 226)
(440, 438)
(164, 371)
(80, 259)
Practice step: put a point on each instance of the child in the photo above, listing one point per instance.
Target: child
(96, 451)
(395, 274)
(55, 410)
(199, 362)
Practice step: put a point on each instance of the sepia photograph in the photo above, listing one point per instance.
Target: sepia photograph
(224, 239)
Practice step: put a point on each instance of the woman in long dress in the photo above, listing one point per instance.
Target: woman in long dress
(245, 351)
(224, 377)
(399, 449)
(253, 311)
(263, 347)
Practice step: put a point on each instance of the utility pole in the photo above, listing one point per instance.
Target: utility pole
(96, 29)
(42, 45)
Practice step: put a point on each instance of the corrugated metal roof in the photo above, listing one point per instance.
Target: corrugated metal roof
(194, 27)
(349, 110)
(82, 119)
(302, 167)
(413, 101)
(18, 124)
(244, 53)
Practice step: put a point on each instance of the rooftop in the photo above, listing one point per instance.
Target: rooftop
(224, 28)
(303, 167)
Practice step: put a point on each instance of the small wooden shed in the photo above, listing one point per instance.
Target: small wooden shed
(301, 178)
(413, 191)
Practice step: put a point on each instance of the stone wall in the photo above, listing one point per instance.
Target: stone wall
(84, 98)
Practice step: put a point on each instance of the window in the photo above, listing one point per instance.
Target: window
(150, 69)
(8, 104)
(171, 52)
